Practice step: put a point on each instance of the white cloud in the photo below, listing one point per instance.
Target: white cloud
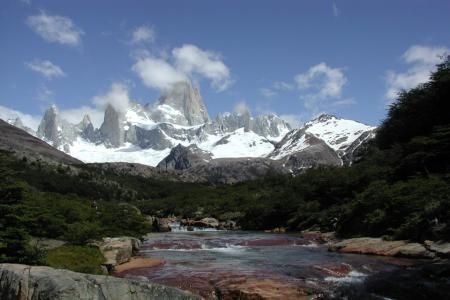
(184, 63)
(328, 82)
(422, 61)
(75, 115)
(296, 121)
(157, 73)
(283, 86)
(55, 29)
(241, 107)
(267, 93)
(277, 86)
(27, 2)
(117, 96)
(323, 85)
(336, 11)
(143, 34)
(28, 120)
(46, 68)
(190, 59)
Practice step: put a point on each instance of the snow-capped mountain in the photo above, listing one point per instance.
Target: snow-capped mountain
(338, 134)
(147, 133)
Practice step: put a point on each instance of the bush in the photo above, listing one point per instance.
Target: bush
(82, 259)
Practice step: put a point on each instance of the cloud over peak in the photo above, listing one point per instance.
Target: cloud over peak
(55, 29)
(117, 96)
(181, 64)
(46, 68)
(192, 60)
(157, 73)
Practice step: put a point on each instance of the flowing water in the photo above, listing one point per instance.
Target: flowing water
(214, 262)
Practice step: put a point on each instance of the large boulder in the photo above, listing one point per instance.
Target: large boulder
(203, 223)
(22, 282)
(162, 224)
(440, 248)
(118, 250)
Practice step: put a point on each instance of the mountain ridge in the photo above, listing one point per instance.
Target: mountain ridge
(147, 134)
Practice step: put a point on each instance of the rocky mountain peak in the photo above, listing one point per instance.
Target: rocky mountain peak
(270, 126)
(86, 121)
(187, 105)
(181, 158)
(112, 129)
(86, 129)
(229, 122)
(50, 127)
(17, 122)
(324, 118)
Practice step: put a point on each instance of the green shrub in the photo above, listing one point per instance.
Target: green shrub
(82, 259)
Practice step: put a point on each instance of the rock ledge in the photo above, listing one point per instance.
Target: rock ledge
(22, 282)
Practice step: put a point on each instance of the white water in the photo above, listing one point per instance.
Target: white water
(176, 227)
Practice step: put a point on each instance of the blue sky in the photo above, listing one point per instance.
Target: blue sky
(294, 58)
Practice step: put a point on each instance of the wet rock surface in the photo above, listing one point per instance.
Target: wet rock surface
(22, 282)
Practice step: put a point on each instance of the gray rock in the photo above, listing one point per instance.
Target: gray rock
(181, 158)
(162, 224)
(112, 129)
(118, 250)
(229, 122)
(233, 170)
(87, 131)
(185, 99)
(441, 248)
(269, 126)
(154, 138)
(22, 282)
(54, 130)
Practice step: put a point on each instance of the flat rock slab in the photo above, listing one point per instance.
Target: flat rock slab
(378, 246)
(139, 262)
(22, 282)
(261, 289)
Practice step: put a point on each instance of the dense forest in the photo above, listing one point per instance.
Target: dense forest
(400, 189)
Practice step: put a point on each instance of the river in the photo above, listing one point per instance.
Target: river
(276, 266)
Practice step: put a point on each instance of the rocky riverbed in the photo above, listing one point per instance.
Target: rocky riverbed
(255, 265)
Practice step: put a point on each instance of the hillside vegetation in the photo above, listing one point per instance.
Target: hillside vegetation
(400, 189)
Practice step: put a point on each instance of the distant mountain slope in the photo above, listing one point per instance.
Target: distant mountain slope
(24, 144)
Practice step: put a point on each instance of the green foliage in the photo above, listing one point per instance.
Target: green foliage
(35, 207)
(82, 259)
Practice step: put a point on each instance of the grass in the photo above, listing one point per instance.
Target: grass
(83, 259)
